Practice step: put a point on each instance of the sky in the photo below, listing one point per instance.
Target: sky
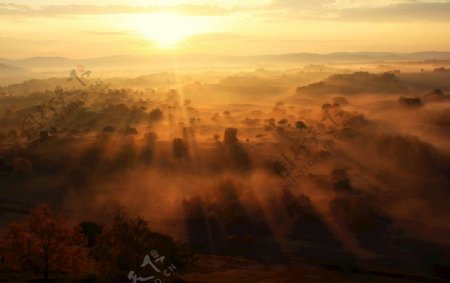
(85, 29)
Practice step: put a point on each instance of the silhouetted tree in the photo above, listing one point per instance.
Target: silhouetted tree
(300, 125)
(123, 244)
(90, 230)
(229, 208)
(236, 154)
(283, 121)
(410, 102)
(215, 117)
(441, 70)
(179, 148)
(340, 180)
(367, 223)
(251, 122)
(437, 92)
(230, 136)
(130, 131)
(148, 148)
(156, 115)
(108, 129)
(436, 95)
(44, 243)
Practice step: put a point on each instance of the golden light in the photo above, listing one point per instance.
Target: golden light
(168, 29)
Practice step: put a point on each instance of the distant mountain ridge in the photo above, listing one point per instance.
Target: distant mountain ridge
(7, 69)
(134, 61)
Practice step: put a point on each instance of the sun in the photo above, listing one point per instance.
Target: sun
(168, 29)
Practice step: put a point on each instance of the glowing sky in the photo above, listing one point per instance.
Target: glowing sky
(93, 28)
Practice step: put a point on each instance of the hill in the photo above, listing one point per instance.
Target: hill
(355, 83)
(7, 70)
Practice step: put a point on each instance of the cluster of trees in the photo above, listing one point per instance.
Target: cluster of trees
(47, 245)
(115, 106)
(410, 101)
(17, 161)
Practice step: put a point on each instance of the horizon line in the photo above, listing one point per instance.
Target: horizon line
(228, 55)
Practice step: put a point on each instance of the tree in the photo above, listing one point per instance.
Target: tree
(148, 148)
(283, 121)
(123, 244)
(130, 131)
(108, 129)
(410, 102)
(179, 148)
(340, 180)
(90, 230)
(369, 224)
(156, 115)
(235, 152)
(300, 125)
(230, 136)
(44, 244)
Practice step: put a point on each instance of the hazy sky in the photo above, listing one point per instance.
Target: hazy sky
(101, 28)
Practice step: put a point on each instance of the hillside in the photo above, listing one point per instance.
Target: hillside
(355, 83)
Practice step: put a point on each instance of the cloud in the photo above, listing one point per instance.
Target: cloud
(404, 12)
(339, 10)
(213, 39)
(217, 36)
(64, 10)
(362, 10)
(112, 33)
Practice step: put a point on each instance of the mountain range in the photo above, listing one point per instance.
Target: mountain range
(37, 64)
